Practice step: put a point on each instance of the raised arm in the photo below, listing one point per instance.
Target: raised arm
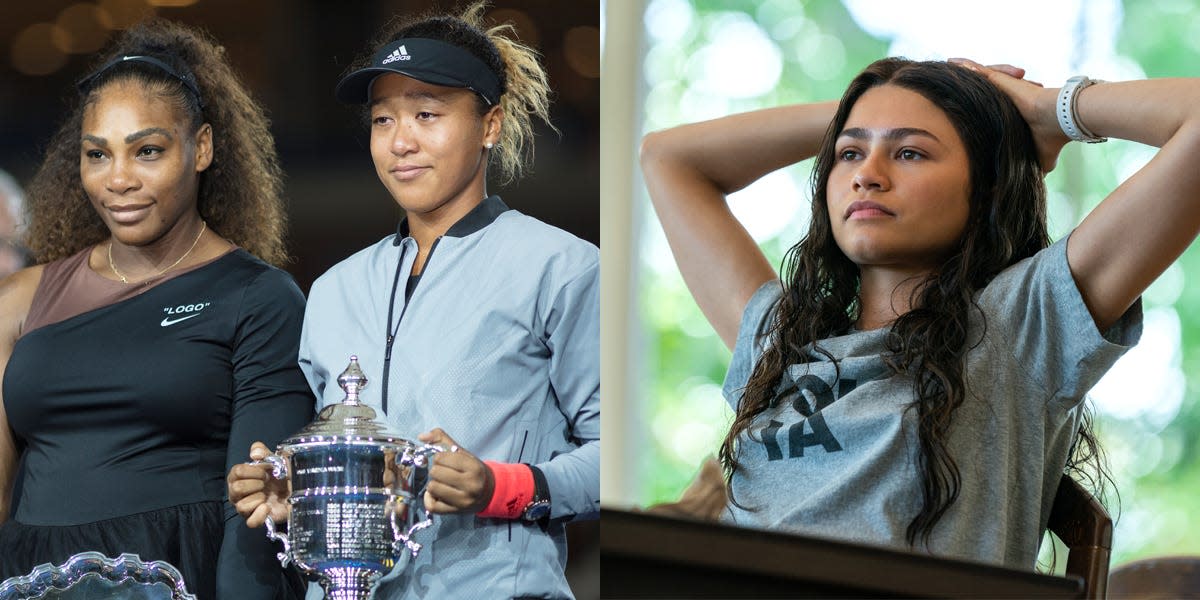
(1127, 241)
(690, 169)
(1152, 217)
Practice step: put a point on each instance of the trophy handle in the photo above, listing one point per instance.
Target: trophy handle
(279, 470)
(415, 456)
(418, 456)
(284, 557)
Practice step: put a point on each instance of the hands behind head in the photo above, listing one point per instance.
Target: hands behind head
(255, 493)
(458, 481)
(1035, 102)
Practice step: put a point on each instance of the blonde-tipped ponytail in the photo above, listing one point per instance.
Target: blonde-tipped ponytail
(526, 96)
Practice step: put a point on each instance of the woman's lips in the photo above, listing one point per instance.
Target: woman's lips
(408, 173)
(863, 209)
(127, 214)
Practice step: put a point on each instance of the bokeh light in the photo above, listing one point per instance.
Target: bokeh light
(84, 26)
(123, 13)
(171, 3)
(527, 29)
(36, 49)
(581, 45)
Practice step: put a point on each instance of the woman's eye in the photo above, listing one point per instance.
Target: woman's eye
(149, 151)
(94, 154)
(424, 116)
(848, 154)
(380, 120)
(909, 154)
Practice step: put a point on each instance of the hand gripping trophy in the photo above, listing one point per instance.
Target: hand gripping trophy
(353, 506)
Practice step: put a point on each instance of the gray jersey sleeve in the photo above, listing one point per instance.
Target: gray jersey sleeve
(1034, 311)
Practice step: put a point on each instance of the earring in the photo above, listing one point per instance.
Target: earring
(488, 145)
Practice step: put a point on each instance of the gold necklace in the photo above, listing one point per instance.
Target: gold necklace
(113, 265)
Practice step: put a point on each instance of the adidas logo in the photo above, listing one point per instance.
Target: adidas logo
(398, 54)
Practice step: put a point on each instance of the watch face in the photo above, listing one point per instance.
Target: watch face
(537, 510)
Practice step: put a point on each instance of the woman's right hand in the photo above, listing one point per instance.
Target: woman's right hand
(255, 493)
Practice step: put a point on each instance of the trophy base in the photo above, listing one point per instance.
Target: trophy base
(348, 583)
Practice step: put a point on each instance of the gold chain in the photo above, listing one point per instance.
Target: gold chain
(113, 266)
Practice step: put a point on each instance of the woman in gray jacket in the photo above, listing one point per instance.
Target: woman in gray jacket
(480, 324)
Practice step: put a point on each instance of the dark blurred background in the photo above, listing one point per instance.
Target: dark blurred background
(290, 54)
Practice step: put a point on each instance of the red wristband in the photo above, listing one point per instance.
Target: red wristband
(513, 491)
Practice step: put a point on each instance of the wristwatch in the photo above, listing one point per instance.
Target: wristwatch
(539, 506)
(1068, 116)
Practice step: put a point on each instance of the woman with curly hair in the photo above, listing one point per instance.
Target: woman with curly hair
(153, 341)
(917, 376)
(475, 321)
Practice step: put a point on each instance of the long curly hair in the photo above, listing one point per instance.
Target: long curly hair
(524, 86)
(240, 194)
(928, 344)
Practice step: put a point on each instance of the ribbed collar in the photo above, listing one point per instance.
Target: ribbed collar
(481, 216)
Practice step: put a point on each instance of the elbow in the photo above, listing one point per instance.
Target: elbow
(652, 150)
(668, 162)
(667, 149)
(1189, 135)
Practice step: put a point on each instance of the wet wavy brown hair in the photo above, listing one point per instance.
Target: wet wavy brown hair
(240, 194)
(524, 86)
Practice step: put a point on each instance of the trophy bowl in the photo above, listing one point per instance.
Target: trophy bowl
(353, 498)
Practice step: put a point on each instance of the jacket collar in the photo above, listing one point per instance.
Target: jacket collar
(481, 216)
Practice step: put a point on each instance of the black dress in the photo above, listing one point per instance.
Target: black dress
(129, 416)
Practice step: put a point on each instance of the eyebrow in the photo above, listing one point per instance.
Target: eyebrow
(416, 95)
(133, 137)
(890, 135)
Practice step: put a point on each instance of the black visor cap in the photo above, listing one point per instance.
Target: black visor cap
(427, 60)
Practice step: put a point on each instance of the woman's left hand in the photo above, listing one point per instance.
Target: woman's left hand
(1035, 102)
(458, 481)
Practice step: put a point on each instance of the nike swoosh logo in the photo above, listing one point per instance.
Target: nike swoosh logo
(169, 321)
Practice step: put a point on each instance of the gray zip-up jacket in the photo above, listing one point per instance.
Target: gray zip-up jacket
(498, 345)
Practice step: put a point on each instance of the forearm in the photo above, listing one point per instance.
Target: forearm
(1151, 218)
(247, 568)
(732, 152)
(574, 480)
(1149, 111)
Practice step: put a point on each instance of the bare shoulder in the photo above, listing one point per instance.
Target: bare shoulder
(16, 296)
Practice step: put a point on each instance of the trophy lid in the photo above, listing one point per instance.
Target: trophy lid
(348, 421)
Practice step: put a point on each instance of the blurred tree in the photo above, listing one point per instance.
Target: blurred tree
(708, 58)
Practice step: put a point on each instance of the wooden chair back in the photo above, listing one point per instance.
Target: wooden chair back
(1083, 525)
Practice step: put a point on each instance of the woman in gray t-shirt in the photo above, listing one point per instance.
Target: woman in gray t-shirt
(916, 376)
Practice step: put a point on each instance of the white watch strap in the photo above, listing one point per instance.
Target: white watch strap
(1068, 118)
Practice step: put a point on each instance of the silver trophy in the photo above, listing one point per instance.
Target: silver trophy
(92, 575)
(353, 502)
